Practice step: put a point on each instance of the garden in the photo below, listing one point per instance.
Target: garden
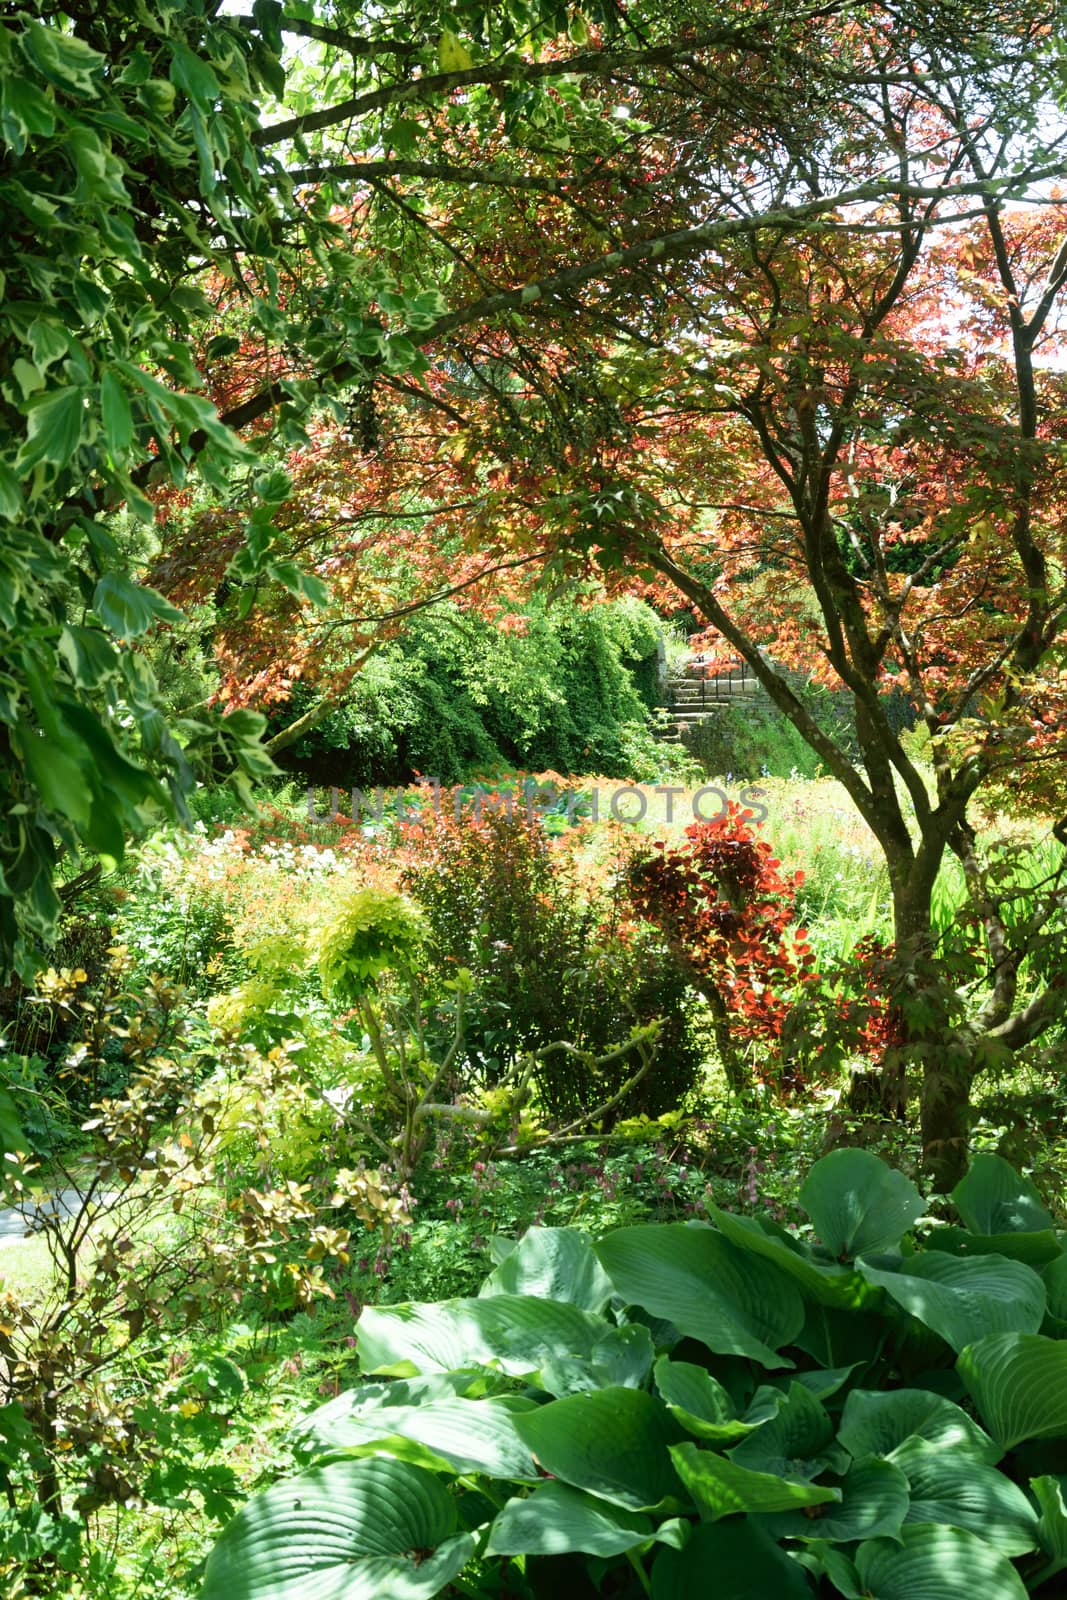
(533, 800)
(487, 1181)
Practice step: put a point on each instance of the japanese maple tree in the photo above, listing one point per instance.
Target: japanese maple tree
(814, 390)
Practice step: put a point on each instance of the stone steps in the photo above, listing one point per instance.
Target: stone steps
(679, 718)
(695, 696)
(725, 680)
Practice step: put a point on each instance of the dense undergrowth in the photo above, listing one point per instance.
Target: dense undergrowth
(296, 1066)
(567, 688)
(677, 1408)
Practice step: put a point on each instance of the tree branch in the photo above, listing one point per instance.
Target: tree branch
(661, 248)
(442, 171)
(360, 49)
(586, 63)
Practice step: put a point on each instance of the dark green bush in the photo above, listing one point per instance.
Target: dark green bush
(567, 689)
(877, 1408)
(549, 962)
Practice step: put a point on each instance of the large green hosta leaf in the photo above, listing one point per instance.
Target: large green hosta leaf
(720, 1488)
(994, 1198)
(822, 1382)
(931, 1563)
(792, 1442)
(553, 1264)
(1036, 1249)
(350, 1530)
(826, 1560)
(1054, 1277)
(837, 1338)
(828, 1283)
(874, 1504)
(950, 1487)
(730, 1561)
(557, 1519)
(699, 1402)
(467, 1435)
(858, 1205)
(516, 1334)
(734, 1302)
(1051, 1496)
(612, 1443)
(623, 1356)
(1019, 1384)
(875, 1423)
(963, 1299)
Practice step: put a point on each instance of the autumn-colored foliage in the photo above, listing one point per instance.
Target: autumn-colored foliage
(726, 910)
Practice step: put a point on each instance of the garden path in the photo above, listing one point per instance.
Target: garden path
(19, 1223)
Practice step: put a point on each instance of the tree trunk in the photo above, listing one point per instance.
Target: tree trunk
(931, 1039)
(738, 1080)
(945, 1116)
(885, 1093)
(303, 724)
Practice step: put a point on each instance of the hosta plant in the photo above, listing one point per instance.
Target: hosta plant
(876, 1410)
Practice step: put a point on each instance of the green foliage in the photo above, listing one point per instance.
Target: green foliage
(854, 1215)
(106, 138)
(469, 1206)
(756, 739)
(802, 1424)
(176, 922)
(277, 1132)
(153, 1236)
(1021, 879)
(352, 1528)
(32, 1113)
(548, 963)
(569, 692)
(993, 1199)
(375, 931)
(749, 741)
(845, 896)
